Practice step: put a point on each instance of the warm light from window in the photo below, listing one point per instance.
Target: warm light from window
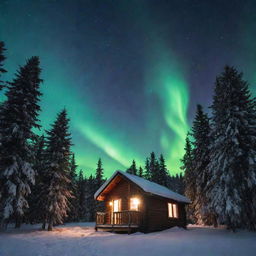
(172, 210)
(175, 210)
(134, 204)
(110, 203)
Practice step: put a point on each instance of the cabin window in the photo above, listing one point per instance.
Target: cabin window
(172, 210)
(134, 204)
(117, 205)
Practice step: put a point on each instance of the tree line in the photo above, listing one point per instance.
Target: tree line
(220, 157)
(155, 170)
(38, 180)
(38, 174)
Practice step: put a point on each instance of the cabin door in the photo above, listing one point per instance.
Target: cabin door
(116, 208)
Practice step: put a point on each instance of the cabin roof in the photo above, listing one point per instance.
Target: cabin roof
(147, 186)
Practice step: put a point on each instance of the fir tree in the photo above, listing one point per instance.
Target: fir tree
(147, 174)
(73, 167)
(163, 172)
(133, 168)
(201, 158)
(81, 183)
(233, 180)
(155, 172)
(2, 59)
(74, 203)
(99, 206)
(176, 183)
(19, 115)
(152, 167)
(57, 190)
(35, 208)
(89, 199)
(99, 174)
(189, 178)
(141, 174)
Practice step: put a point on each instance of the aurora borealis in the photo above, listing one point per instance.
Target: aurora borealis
(129, 73)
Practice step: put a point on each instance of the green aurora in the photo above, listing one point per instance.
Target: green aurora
(129, 73)
(92, 137)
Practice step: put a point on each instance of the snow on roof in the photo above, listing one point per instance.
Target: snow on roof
(147, 186)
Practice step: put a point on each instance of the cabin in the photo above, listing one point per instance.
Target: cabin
(135, 204)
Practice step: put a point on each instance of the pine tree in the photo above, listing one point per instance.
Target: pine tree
(73, 201)
(19, 115)
(152, 167)
(57, 190)
(201, 158)
(147, 174)
(133, 168)
(233, 180)
(99, 206)
(155, 172)
(163, 172)
(81, 183)
(73, 167)
(141, 174)
(176, 183)
(99, 174)
(89, 199)
(2, 59)
(35, 208)
(189, 178)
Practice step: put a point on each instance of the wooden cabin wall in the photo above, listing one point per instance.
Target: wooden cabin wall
(124, 190)
(154, 209)
(157, 214)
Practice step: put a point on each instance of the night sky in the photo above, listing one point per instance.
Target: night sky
(130, 73)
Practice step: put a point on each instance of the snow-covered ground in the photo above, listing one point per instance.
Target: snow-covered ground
(80, 239)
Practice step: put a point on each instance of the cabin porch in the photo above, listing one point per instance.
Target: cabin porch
(127, 221)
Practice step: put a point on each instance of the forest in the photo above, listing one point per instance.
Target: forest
(39, 178)
(40, 181)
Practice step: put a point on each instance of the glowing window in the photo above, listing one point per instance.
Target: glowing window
(117, 205)
(172, 210)
(134, 204)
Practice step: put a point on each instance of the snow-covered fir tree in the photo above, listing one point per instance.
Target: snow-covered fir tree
(57, 190)
(189, 178)
(19, 115)
(132, 169)
(201, 158)
(231, 185)
(2, 59)
(35, 208)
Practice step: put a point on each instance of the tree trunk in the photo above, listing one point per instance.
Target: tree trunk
(3, 224)
(17, 221)
(50, 224)
(215, 222)
(43, 225)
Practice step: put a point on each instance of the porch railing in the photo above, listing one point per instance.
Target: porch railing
(118, 218)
